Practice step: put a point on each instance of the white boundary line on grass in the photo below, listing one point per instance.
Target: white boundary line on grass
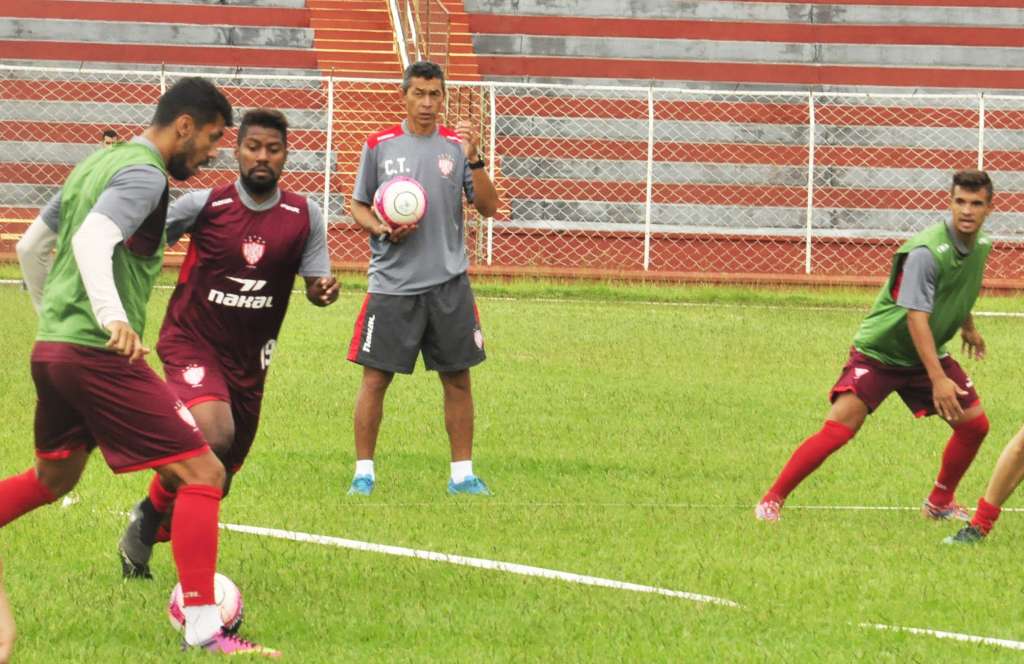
(511, 568)
(648, 303)
(956, 636)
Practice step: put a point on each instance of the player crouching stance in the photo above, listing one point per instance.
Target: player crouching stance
(249, 239)
(94, 390)
(900, 347)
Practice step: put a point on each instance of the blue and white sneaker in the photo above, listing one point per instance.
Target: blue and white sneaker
(472, 485)
(362, 485)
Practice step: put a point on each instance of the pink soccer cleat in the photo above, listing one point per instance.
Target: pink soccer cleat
(768, 510)
(948, 512)
(226, 643)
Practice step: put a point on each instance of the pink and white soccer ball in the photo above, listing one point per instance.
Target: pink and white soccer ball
(226, 595)
(400, 201)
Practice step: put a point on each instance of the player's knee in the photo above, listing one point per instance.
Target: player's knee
(976, 427)
(220, 440)
(375, 380)
(59, 476)
(206, 469)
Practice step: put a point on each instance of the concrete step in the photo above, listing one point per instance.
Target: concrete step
(224, 56)
(156, 13)
(113, 32)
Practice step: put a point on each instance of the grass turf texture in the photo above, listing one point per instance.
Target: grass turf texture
(624, 439)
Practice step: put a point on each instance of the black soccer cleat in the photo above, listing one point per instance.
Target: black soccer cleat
(966, 535)
(136, 545)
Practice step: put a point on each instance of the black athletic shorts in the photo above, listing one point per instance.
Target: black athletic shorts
(443, 323)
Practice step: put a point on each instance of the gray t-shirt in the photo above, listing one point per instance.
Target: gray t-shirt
(316, 262)
(436, 251)
(129, 198)
(921, 273)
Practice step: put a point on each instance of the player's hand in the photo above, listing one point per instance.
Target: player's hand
(399, 233)
(124, 341)
(944, 396)
(7, 631)
(323, 291)
(973, 344)
(470, 138)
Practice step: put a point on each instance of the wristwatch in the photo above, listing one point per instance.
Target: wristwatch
(474, 165)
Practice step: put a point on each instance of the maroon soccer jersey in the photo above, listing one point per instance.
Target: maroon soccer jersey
(237, 278)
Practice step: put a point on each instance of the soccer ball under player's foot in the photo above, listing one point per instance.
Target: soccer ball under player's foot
(472, 486)
(227, 643)
(134, 551)
(966, 535)
(768, 510)
(948, 512)
(362, 485)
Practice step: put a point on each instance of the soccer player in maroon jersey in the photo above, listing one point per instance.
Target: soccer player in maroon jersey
(249, 238)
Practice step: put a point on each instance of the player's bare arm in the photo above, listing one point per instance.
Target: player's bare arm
(485, 196)
(367, 219)
(944, 389)
(973, 343)
(322, 291)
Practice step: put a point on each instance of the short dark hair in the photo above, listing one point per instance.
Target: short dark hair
(422, 69)
(267, 118)
(196, 97)
(973, 180)
(109, 133)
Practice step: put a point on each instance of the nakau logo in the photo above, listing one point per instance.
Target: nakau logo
(223, 201)
(241, 301)
(290, 208)
(249, 285)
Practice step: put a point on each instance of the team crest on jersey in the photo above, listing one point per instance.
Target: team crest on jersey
(253, 248)
(193, 374)
(445, 164)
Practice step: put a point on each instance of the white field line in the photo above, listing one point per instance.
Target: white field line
(646, 303)
(688, 506)
(481, 563)
(970, 638)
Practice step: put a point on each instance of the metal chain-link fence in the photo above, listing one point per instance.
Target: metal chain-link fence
(595, 180)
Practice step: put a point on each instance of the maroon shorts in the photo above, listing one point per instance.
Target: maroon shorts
(88, 397)
(196, 374)
(872, 381)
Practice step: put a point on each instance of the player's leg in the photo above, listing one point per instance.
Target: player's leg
(1006, 477)
(385, 341)
(150, 519)
(861, 387)
(452, 343)
(969, 431)
(62, 442)
(369, 413)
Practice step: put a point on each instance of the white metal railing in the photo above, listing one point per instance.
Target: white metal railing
(601, 179)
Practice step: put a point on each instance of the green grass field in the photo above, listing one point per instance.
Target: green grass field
(627, 431)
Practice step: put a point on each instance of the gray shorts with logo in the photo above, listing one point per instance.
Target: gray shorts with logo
(443, 323)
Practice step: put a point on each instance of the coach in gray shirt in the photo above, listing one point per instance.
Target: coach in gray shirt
(419, 298)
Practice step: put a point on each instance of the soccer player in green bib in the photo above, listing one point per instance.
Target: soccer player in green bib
(93, 387)
(901, 347)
